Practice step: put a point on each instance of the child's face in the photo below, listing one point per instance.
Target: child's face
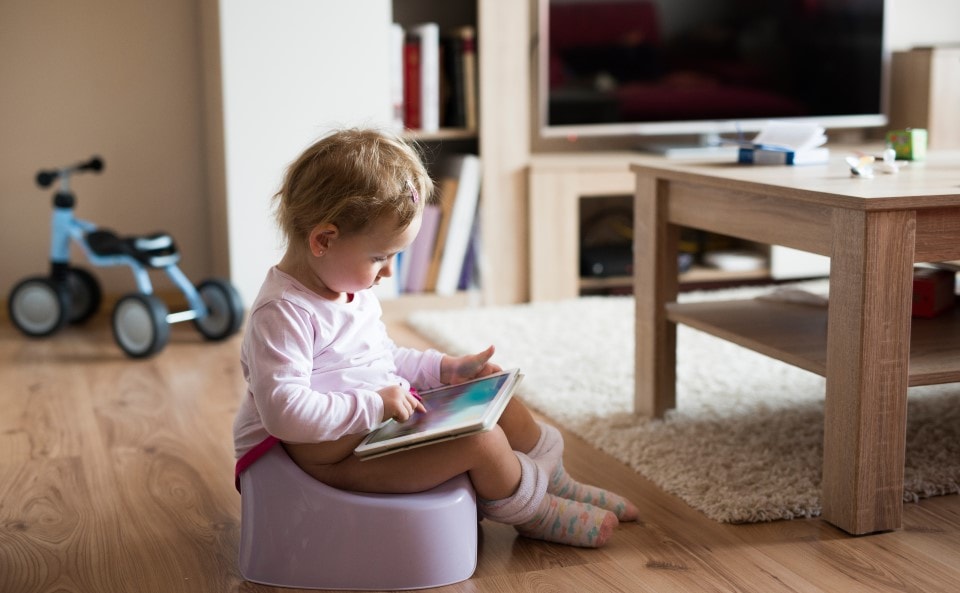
(358, 261)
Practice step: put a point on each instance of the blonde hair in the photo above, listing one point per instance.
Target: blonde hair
(352, 178)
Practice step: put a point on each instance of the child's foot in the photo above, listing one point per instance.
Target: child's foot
(569, 522)
(562, 485)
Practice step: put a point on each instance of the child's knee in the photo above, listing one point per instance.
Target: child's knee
(492, 443)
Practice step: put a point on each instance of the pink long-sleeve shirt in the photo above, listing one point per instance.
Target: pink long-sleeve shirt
(313, 367)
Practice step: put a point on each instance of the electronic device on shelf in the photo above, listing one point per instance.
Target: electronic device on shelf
(688, 71)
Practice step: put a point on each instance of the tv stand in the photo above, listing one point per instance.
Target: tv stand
(709, 145)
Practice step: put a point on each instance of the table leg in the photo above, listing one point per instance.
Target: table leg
(655, 284)
(868, 352)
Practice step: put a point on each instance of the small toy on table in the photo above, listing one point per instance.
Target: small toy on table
(909, 144)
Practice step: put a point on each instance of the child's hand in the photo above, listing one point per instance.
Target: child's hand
(457, 369)
(399, 403)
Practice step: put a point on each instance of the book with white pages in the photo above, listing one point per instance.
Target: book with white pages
(429, 35)
(460, 228)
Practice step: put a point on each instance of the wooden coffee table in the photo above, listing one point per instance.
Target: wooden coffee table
(874, 230)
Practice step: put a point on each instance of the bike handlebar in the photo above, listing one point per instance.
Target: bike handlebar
(46, 177)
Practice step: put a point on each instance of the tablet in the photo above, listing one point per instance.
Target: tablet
(453, 411)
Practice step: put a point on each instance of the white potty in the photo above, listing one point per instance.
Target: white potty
(298, 532)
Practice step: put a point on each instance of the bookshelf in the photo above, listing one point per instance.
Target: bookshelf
(436, 53)
(500, 138)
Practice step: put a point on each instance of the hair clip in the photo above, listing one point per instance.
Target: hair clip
(414, 195)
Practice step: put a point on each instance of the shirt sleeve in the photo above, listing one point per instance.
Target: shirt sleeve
(279, 357)
(420, 367)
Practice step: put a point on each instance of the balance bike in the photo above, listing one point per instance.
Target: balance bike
(42, 305)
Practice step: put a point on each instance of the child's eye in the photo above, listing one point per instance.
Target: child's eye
(380, 259)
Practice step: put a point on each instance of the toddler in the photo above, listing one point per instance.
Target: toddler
(322, 372)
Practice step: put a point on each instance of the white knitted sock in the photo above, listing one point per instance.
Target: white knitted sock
(548, 451)
(548, 455)
(522, 505)
(539, 515)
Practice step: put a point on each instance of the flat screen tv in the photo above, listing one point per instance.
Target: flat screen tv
(698, 69)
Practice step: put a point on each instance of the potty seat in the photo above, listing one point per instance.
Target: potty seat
(298, 532)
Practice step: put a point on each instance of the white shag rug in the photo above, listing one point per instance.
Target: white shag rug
(744, 443)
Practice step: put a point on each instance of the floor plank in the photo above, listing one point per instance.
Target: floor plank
(116, 475)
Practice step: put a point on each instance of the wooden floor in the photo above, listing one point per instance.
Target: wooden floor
(116, 475)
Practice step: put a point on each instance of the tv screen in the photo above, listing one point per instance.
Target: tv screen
(706, 67)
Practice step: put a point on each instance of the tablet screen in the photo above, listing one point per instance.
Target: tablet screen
(450, 407)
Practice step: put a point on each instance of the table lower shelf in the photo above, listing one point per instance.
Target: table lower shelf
(797, 334)
(696, 275)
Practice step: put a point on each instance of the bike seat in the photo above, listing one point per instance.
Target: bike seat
(156, 250)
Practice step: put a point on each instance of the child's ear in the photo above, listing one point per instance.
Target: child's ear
(321, 237)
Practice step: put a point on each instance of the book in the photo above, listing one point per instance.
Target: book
(470, 272)
(460, 226)
(420, 252)
(469, 57)
(762, 155)
(455, 104)
(453, 411)
(447, 194)
(797, 136)
(429, 37)
(443, 91)
(786, 143)
(411, 81)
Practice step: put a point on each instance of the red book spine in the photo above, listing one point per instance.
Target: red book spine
(411, 83)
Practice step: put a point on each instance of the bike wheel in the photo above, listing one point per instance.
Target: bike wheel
(85, 294)
(38, 306)
(224, 309)
(140, 325)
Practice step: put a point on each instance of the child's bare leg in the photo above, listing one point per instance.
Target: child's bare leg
(487, 458)
(519, 425)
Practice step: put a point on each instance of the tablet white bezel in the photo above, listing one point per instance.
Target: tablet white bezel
(367, 449)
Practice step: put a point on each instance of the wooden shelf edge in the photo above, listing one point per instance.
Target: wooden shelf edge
(797, 334)
(696, 274)
(407, 303)
(441, 134)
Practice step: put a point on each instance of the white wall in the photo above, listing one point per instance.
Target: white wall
(923, 22)
(118, 79)
(291, 70)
